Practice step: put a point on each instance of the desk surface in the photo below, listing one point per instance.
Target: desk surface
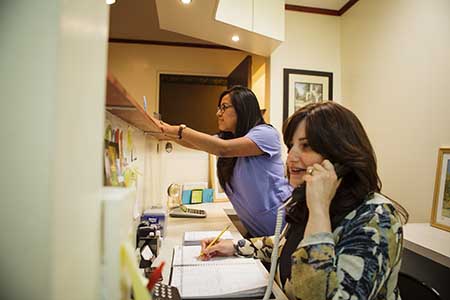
(428, 241)
(216, 220)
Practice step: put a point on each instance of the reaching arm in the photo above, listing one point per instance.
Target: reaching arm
(238, 147)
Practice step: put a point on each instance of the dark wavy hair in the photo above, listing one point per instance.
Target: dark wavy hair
(335, 132)
(248, 116)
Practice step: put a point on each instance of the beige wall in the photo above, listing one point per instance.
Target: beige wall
(396, 75)
(312, 43)
(259, 80)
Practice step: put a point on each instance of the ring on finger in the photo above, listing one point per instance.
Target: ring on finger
(310, 171)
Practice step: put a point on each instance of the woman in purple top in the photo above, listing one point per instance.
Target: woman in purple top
(249, 168)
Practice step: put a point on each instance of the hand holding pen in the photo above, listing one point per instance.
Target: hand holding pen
(216, 247)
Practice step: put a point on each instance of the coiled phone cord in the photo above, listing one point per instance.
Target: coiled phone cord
(274, 256)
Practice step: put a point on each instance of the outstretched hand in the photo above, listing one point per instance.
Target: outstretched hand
(170, 131)
(163, 126)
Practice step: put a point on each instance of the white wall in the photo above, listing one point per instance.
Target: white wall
(182, 165)
(312, 43)
(396, 75)
(53, 62)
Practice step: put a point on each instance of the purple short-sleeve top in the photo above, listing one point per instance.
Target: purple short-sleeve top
(259, 186)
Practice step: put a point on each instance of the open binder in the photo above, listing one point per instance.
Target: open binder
(220, 277)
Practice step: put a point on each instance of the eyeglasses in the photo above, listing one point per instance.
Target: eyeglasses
(222, 108)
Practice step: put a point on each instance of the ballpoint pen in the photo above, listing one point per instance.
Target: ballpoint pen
(216, 239)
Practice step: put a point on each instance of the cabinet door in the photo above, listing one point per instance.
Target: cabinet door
(268, 18)
(236, 12)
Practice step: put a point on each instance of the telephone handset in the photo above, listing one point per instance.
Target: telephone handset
(294, 211)
(300, 191)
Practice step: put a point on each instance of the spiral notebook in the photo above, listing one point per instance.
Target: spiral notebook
(220, 277)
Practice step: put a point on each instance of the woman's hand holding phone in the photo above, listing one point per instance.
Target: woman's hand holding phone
(321, 186)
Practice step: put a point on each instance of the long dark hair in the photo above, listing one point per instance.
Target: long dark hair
(336, 133)
(248, 116)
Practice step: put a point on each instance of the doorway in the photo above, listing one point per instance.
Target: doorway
(190, 100)
(193, 99)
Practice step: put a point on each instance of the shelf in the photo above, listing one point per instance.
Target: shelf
(428, 241)
(121, 104)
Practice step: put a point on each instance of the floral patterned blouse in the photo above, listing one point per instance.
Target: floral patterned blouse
(359, 260)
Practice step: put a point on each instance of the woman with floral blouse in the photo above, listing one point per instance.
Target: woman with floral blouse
(344, 241)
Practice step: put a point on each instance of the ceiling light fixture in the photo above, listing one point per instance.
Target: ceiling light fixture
(235, 38)
(110, 2)
(186, 1)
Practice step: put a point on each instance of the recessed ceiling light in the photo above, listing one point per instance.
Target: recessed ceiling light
(186, 1)
(235, 38)
(110, 1)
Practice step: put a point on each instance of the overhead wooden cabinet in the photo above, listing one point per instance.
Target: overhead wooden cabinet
(121, 104)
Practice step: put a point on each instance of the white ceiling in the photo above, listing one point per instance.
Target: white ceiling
(328, 4)
(138, 20)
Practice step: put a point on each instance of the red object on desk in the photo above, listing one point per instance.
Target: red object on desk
(154, 277)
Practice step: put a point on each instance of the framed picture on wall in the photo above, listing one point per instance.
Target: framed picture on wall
(301, 87)
(440, 213)
(219, 193)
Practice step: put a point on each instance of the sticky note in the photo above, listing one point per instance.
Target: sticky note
(196, 196)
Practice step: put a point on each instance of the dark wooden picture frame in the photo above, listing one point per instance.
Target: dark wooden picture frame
(314, 86)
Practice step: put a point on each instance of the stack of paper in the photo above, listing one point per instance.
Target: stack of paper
(220, 277)
(194, 237)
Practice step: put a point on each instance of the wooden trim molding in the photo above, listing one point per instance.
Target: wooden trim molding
(312, 10)
(193, 79)
(322, 11)
(166, 43)
(347, 6)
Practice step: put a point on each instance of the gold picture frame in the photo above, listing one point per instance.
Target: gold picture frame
(219, 193)
(440, 213)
